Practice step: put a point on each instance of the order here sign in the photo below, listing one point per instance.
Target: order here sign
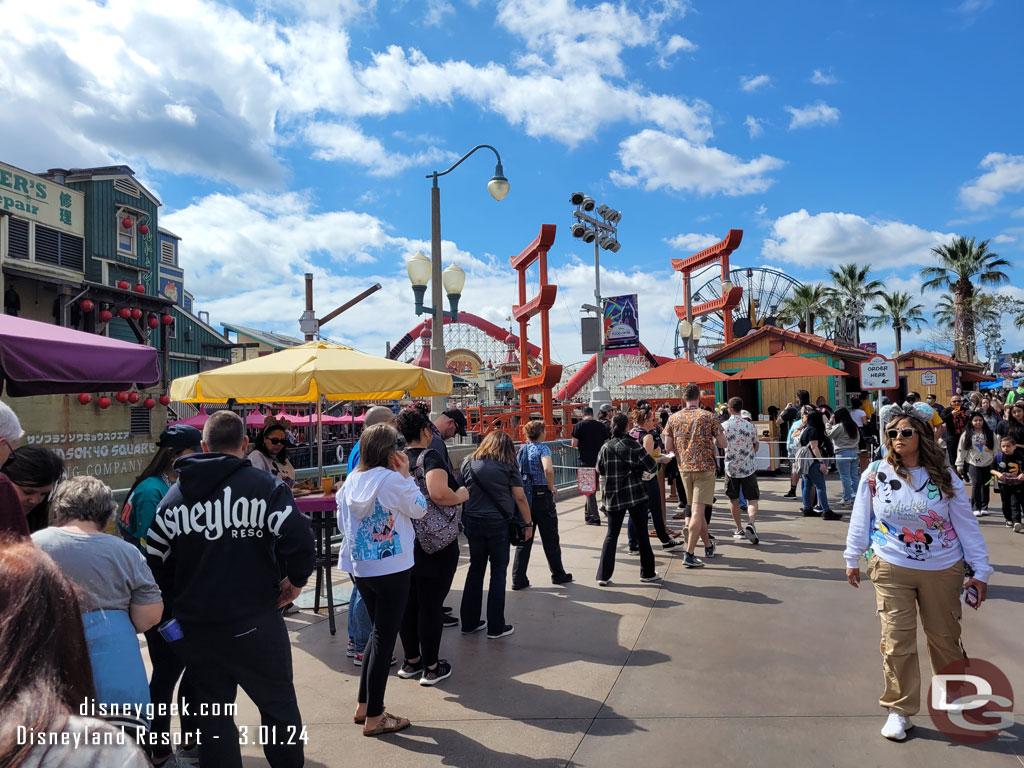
(879, 373)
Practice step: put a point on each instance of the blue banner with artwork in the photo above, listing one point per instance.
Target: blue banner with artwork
(621, 325)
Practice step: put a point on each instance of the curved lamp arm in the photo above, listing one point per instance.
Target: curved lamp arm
(436, 174)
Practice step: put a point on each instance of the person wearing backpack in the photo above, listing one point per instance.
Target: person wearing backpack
(538, 471)
(495, 495)
(436, 551)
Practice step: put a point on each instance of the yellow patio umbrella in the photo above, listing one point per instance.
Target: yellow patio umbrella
(305, 373)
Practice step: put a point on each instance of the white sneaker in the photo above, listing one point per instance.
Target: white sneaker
(648, 579)
(739, 534)
(896, 727)
(603, 582)
(980, 513)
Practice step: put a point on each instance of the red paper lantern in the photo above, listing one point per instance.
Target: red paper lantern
(122, 284)
(124, 313)
(133, 397)
(121, 397)
(126, 223)
(165, 400)
(153, 321)
(140, 288)
(166, 319)
(136, 313)
(149, 402)
(84, 399)
(106, 315)
(87, 305)
(103, 402)
(143, 229)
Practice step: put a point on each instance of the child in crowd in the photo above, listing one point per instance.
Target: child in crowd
(1007, 470)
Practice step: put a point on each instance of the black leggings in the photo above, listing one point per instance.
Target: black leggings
(431, 580)
(385, 598)
(654, 507)
(167, 668)
(980, 477)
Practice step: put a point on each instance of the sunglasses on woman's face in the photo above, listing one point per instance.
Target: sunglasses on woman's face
(277, 440)
(907, 432)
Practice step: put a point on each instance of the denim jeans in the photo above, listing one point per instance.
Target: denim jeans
(846, 463)
(359, 625)
(488, 543)
(815, 477)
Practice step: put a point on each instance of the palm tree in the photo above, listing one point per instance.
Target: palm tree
(807, 302)
(897, 310)
(852, 290)
(963, 263)
(944, 312)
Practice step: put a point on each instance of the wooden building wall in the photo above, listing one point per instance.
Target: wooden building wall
(943, 386)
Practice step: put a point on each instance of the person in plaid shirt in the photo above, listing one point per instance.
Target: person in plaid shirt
(621, 462)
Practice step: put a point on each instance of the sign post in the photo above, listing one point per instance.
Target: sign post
(878, 373)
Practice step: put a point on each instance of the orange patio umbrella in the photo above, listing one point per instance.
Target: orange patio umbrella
(786, 365)
(679, 372)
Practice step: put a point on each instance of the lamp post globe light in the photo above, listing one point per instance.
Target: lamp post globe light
(599, 227)
(688, 333)
(423, 271)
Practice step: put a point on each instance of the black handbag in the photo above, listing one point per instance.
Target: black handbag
(516, 526)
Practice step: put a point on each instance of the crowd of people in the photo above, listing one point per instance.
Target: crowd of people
(212, 550)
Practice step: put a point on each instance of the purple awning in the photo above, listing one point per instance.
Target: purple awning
(43, 359)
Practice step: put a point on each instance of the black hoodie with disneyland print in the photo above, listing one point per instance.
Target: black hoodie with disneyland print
(223, 536)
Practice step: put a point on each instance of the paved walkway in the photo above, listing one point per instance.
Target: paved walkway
(764, 658)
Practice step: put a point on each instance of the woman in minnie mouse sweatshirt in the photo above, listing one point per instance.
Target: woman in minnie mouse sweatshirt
(913, 520)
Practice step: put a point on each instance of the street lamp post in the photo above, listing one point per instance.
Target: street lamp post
(453, 279)
(602, 231)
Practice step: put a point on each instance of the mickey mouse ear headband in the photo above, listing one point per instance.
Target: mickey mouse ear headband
(919, 412)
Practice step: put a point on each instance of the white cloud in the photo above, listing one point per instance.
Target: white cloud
(1018, 214)
(1004, 239)
(436, 11)
(754, 126)
(751, 83)
(813, 114)
(820, 78)
(675, 44)
(968, 7)
(692, 241)
(653, 159)
(347, 143)
(1004, 174)
(562, 37)
(833, 238)
(180, 112)
(119, 64)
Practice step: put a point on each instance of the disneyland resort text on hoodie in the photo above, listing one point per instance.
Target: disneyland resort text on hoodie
(375, 512)
(222, 538)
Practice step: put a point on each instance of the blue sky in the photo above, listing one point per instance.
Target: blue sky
(295, 136)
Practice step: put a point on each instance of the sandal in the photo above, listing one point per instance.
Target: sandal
(388, 724)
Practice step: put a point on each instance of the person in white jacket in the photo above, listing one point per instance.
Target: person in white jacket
(974, 458)
(913, 521)
(376, 507)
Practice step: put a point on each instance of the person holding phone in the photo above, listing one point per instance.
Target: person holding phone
(913, 521)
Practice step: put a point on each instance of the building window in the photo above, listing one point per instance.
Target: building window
(17, 238)
(140, 423)
(128, 187)
(167, 252)
(126, 237)
(58, 248)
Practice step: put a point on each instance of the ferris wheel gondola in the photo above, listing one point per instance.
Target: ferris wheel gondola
(764, 292)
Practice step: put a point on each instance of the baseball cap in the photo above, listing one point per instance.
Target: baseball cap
(459, 418)
(746, 415)
(180, 436)
(607, 408)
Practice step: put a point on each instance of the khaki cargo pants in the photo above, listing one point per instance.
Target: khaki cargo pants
(899, 592)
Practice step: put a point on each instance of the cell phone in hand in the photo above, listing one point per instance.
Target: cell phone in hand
(972, 598)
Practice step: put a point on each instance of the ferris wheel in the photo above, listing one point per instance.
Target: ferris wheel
(764, 292)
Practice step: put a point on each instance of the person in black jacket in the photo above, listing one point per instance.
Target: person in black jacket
(220, 540)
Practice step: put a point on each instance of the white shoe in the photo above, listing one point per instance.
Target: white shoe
(739, 534)
(603, 582)
(648, 579)
(896, 727)
(980, 513)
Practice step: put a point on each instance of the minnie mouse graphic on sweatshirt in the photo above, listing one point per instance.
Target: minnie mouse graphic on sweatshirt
(908, 521)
